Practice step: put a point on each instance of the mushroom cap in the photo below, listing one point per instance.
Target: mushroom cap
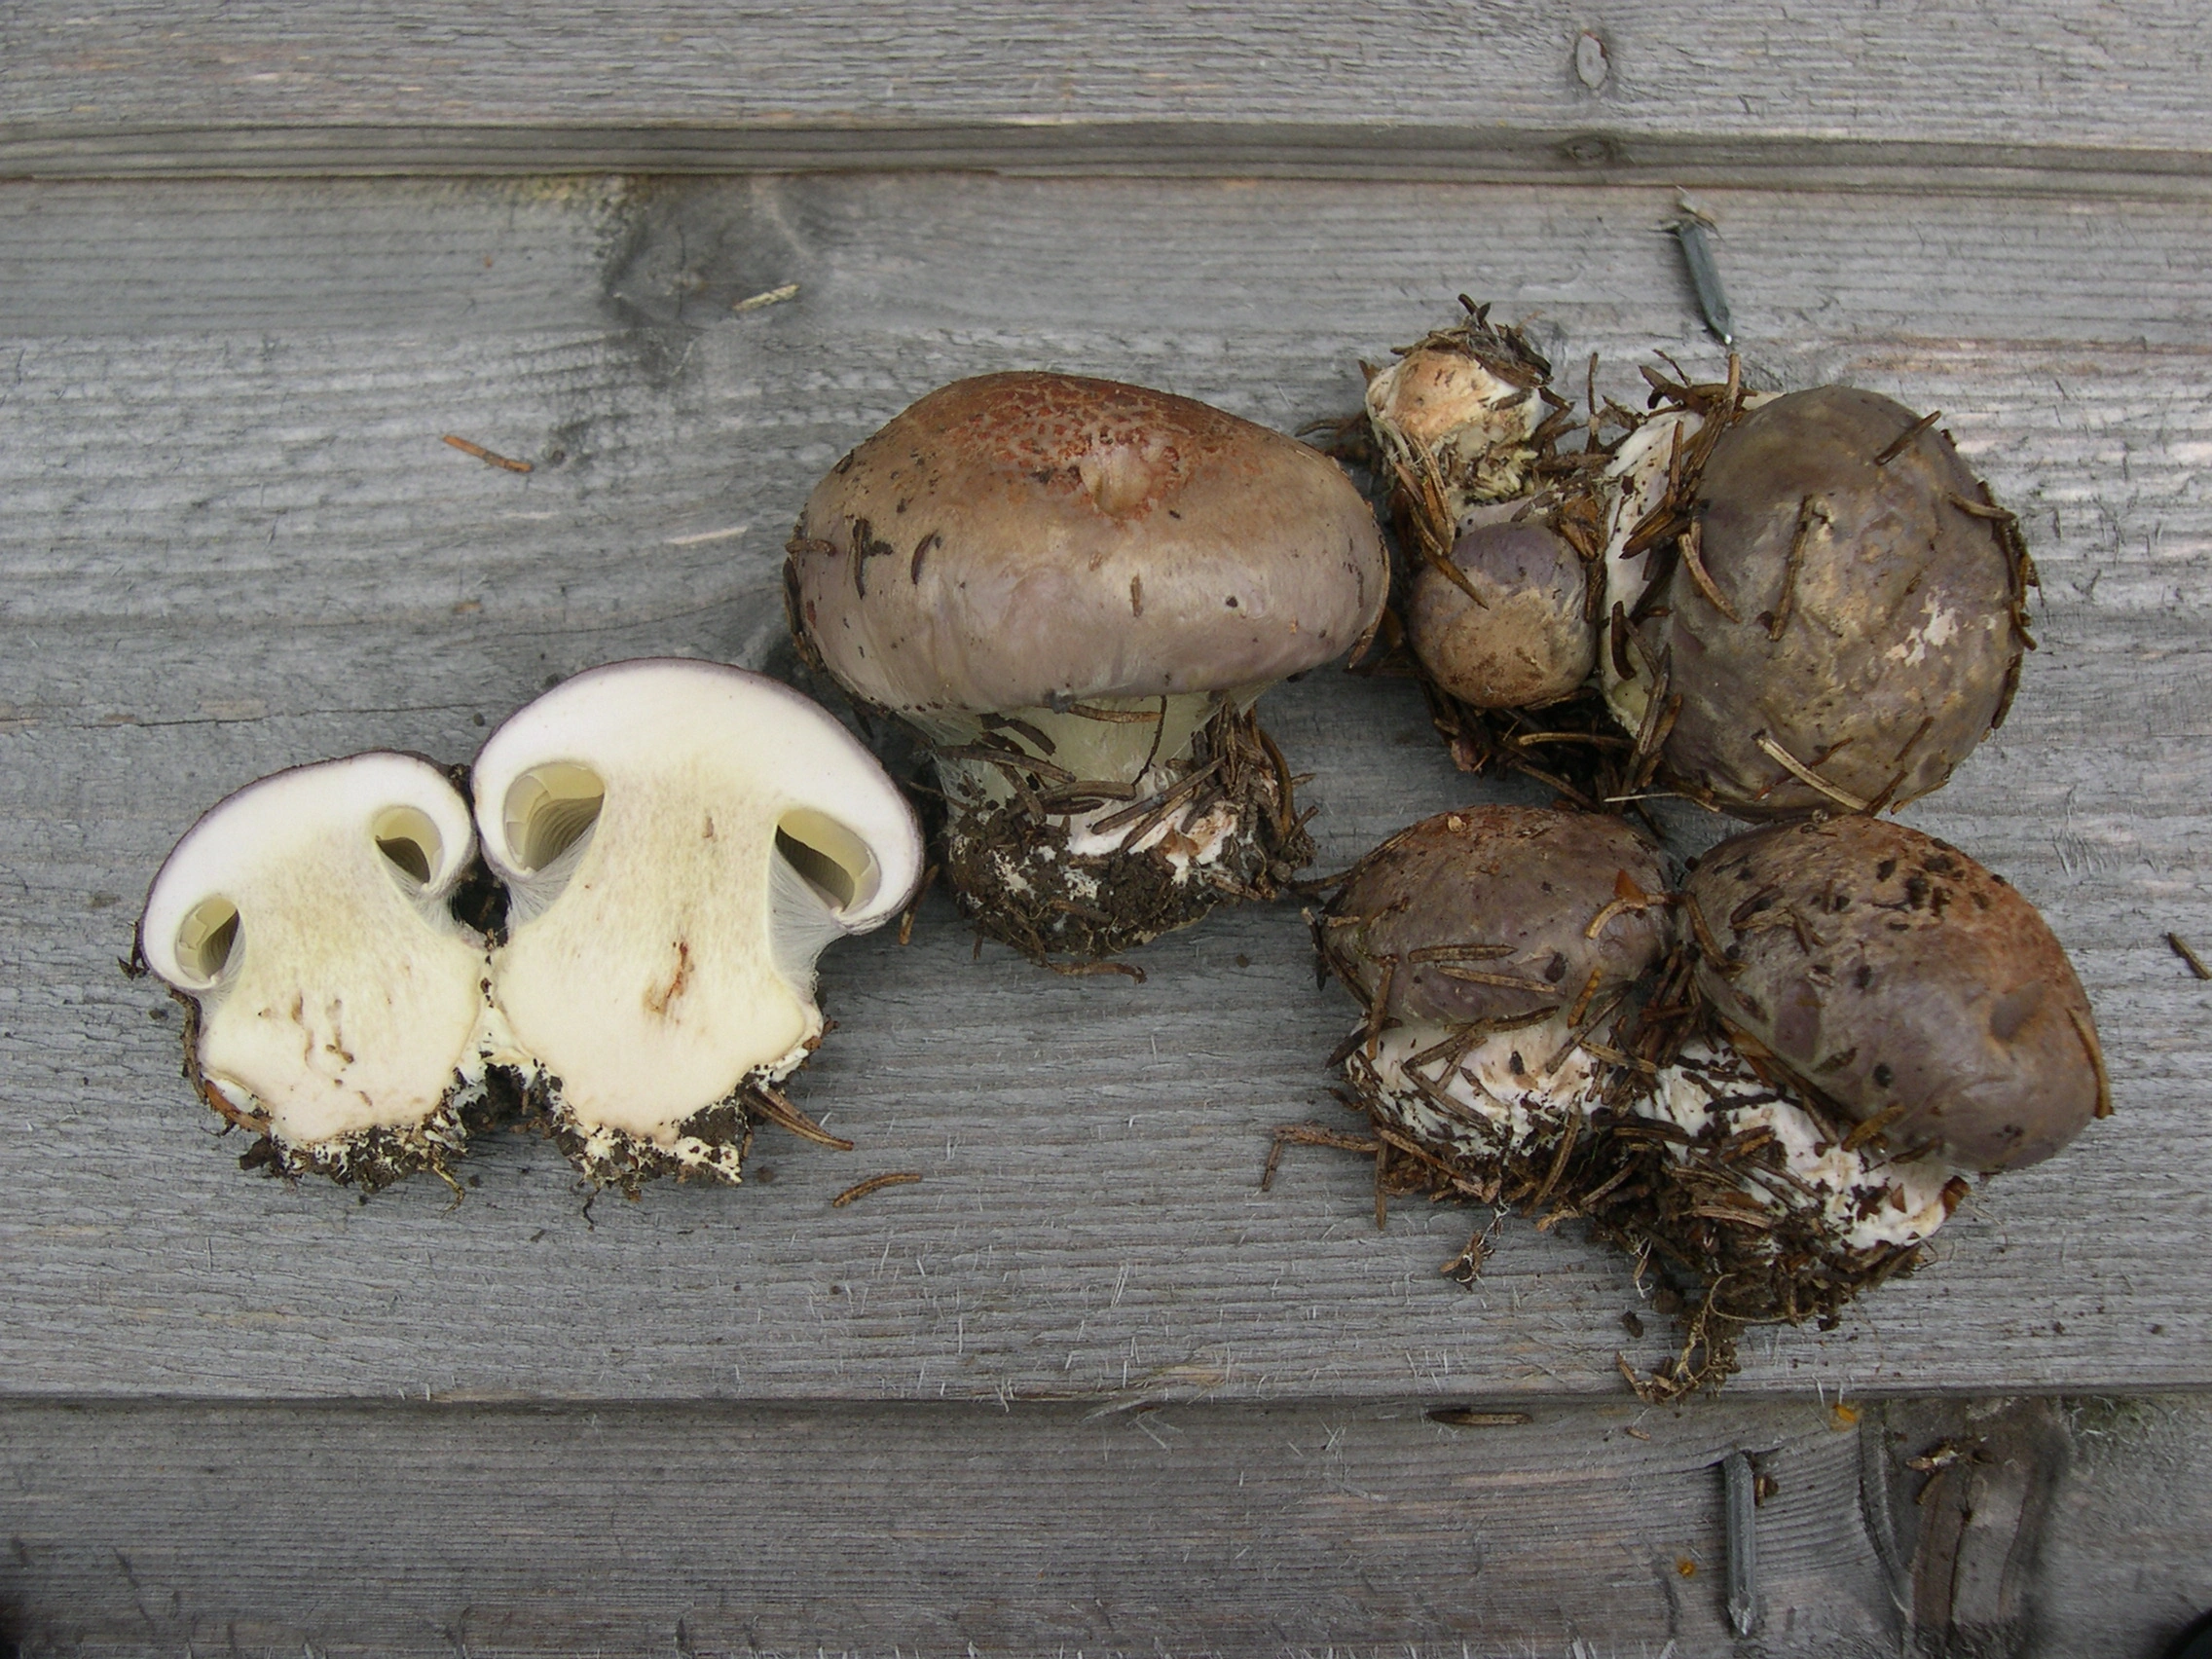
(1017, 538)
(1529, 642)
(1436, 392)
(1901, 610)
(1885, 969)
(1517, 889)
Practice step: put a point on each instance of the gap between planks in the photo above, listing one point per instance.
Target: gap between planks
(1382, 154)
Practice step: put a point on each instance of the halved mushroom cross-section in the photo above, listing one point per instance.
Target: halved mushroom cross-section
(338, 1003)
(681, 841)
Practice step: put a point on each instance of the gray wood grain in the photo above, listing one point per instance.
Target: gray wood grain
(1338, 1527)
(234, 542)
(1468, 88)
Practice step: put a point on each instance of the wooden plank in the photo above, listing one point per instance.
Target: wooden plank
(235, 543)
(1587, 1529)
(1670, 91)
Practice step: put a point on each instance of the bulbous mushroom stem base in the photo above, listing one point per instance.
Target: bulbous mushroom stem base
(480, 1101)
(373, 1159)
(1224, 828)
(1762, 1213)
(710, 1145)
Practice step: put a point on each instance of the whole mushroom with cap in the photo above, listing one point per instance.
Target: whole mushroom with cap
(1494, 949)
(338, 1007)
(680, 840)
(1812, 604)
(1455, 419)
(1864, 1017)
(1074, 590)
(1503, 625)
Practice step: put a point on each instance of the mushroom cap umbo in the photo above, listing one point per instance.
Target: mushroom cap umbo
(1891, 973)
(1015, 540)
(1895, 612)
(1486, 912)
(1529, 643)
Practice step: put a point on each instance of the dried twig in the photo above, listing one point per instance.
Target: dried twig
(874, 1184)
(483, 454)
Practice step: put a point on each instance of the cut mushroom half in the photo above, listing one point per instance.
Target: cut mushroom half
(336, 1004)
(680, 840)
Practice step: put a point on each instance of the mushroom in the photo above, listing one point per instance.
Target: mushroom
(1529, 1041)
(1509, 628)
(1883, 1015)
(1907, 988)
(338, 1006)
(1822, 600)
(680, 840)
(1074, 590)
(1489, 946)
(1456, 419)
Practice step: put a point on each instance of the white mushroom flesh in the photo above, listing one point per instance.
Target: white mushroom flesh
(682, 840)
(342, 997)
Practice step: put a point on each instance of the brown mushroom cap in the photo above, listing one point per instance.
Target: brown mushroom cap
(1018, 539)
(1529, 643)
(1486, 912)
(1896, 611)
(1890, 972)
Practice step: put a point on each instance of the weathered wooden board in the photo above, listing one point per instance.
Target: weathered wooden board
(1588, 1529)
(1865, 93)
(234, 542)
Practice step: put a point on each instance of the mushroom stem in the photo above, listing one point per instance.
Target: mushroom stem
(1126, 743)
(1079, 831)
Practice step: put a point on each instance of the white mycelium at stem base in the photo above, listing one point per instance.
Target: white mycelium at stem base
(305, 915)
(1140, 743)
(1519, 1090)
(1865, 1199)
(680, 840)
(1503, 1093)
